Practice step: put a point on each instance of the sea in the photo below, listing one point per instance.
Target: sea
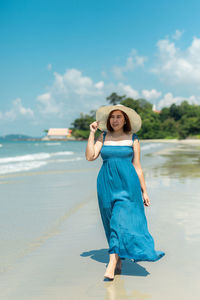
(22, 156)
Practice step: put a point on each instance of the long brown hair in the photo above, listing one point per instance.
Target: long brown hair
(127, 125)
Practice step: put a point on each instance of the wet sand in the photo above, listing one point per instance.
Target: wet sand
(174, 141)
(68, 260)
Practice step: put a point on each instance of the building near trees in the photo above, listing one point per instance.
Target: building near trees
(155, 110)
(58, 134)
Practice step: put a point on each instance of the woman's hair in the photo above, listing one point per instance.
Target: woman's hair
(127, 125)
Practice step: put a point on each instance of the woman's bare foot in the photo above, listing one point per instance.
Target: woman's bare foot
(110, 270)
(118, 266)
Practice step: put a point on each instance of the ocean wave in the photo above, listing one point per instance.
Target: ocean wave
(20, 167)
(62, 153)
(48, 144)
(53, 144)
(1, 145)
(69, 159)
(33, 157)
(29, 165)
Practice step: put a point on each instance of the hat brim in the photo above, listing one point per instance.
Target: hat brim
(103, 112)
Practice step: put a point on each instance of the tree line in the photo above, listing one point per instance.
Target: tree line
(174, 122)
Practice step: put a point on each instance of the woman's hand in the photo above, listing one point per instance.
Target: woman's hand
(146, 199)
(94, 126)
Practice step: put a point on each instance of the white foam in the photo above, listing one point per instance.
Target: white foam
(1, 145)
(62, 153)
(33, 157)
(20, 167)
(27, 166)
(28, 157)
(69, 159)
(32, 161)
(52, 144)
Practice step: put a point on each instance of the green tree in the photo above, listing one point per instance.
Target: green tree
(144, 104)
(83, 122)
(189, 126)
(165, 113)
(81, 125)
(169, 128)
(114, 99)
(134, 104)
(175, 112)
(176, 121)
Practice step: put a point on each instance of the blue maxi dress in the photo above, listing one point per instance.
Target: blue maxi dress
(121, 205)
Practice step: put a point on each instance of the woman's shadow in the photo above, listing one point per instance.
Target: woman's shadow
(128, 266)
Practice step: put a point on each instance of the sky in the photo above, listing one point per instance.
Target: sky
(59, 58)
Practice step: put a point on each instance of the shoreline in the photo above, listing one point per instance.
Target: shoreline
(183, 141)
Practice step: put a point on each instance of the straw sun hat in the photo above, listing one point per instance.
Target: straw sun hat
(103, 112)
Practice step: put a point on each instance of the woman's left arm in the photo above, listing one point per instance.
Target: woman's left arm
(138, 168)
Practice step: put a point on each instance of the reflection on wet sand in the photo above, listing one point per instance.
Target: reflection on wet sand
(182, 161)
(116, 290)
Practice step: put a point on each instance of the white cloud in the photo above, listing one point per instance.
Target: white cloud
(49, 105)
(70, 92)
(99, 85)
(178, 34)
(151, 94)
(44, 97)
(16, 111)
(179, 67)
(49, 67)
(132, 61)
(9, 115)
(74, 82)
(127, 90)
(18, 107)
(169, 99)
(167, 49)
(73, 92)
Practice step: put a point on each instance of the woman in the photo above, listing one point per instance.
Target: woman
(121, 187)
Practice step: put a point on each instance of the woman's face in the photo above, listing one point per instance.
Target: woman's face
(117, 120)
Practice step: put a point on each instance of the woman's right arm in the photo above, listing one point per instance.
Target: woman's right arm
(93, 150)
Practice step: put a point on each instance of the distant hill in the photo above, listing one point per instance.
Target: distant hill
(14, 137)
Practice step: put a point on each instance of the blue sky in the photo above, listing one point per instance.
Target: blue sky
(60, 58)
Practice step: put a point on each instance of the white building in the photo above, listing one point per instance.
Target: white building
(154, 109)
(58, 133)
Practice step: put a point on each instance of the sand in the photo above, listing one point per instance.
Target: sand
(67, 260)
(176, 141)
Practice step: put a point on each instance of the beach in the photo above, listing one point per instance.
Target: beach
(53, 245)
